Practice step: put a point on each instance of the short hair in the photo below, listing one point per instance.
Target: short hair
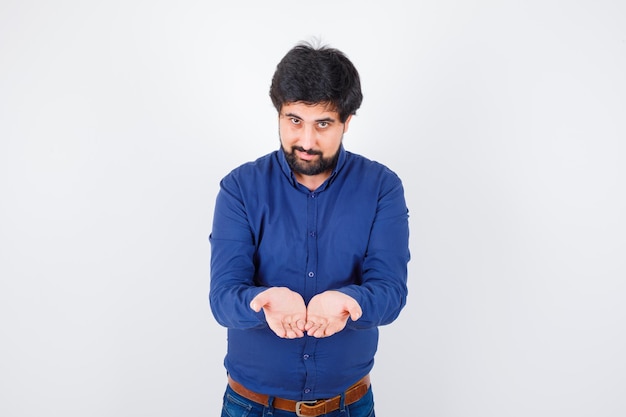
(314, 75)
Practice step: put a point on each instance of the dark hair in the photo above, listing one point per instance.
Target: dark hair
(315, 75)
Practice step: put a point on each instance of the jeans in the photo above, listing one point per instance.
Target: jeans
(237, 406)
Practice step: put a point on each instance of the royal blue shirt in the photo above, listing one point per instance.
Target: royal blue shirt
(351, 235)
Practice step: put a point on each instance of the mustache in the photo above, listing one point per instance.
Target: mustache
(307, 151)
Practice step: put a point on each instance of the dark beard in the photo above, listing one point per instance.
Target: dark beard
(310, 167)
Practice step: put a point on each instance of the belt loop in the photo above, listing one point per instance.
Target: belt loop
(270, 406)
(342, 403)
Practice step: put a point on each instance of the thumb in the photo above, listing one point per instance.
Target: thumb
(355, 311)
(257, 303)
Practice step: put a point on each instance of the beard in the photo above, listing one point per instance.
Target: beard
(313, 167)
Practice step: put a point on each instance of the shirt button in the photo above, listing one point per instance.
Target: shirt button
(312, 234)
(307, 390)
(306, 356)
(311, 274)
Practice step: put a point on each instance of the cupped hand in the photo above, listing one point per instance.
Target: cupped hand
(328, 313)
(285, 311)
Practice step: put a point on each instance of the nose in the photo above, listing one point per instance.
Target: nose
(307, 140)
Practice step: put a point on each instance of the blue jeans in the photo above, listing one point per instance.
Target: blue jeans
(237, 406)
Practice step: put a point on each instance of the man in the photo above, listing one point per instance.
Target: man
(309, 253)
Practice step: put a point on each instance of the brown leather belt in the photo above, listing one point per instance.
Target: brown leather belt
(305, 408)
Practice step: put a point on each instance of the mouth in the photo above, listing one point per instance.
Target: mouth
(306, 155)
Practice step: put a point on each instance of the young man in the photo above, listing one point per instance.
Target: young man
(309, 253)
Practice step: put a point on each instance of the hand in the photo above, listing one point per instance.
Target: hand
(284, 310)
(328, 313)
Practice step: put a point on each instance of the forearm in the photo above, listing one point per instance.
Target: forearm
(381, 302)
(382, 288)
(232, 284)
(231, 306)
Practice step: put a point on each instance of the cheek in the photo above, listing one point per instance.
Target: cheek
(285, 137)
(332, 143)
(288, 134)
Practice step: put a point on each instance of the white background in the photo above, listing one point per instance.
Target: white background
(505, 120)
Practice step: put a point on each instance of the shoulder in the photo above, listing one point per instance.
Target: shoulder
(260, 164)
(373, 178)
(257, 169)
(369, 169)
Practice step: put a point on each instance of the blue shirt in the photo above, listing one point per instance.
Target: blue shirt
(351, 235)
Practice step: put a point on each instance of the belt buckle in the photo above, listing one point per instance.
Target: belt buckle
(300, 403)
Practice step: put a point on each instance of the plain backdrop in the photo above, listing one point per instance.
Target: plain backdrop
(506, 121)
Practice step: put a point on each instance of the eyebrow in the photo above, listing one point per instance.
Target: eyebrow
(325, 119)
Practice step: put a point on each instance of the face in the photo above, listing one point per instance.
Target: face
(311, 137)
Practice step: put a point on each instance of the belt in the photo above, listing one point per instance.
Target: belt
(306, 408)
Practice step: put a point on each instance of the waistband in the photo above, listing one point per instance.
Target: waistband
(306, 408)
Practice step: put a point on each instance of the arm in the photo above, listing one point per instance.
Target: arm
(232, 286)
(236, 300)
(383, 290)
(381, 293)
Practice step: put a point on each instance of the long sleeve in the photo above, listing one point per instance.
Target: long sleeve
(383, 290)
(232, 269)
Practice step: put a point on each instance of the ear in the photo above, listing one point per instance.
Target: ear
(346, 124)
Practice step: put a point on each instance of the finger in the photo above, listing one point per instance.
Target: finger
(279, 331)
(314, 322)
(292, 331)
(318, 330)
(355, 312)
(311, 328)
(257, 303)
(287, 326)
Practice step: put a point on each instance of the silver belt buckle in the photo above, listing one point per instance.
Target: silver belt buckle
(300, 403)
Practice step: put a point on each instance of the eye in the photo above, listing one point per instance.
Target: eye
(323, 125)
(295, 121)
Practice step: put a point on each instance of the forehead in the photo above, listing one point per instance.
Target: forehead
(307, 111)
